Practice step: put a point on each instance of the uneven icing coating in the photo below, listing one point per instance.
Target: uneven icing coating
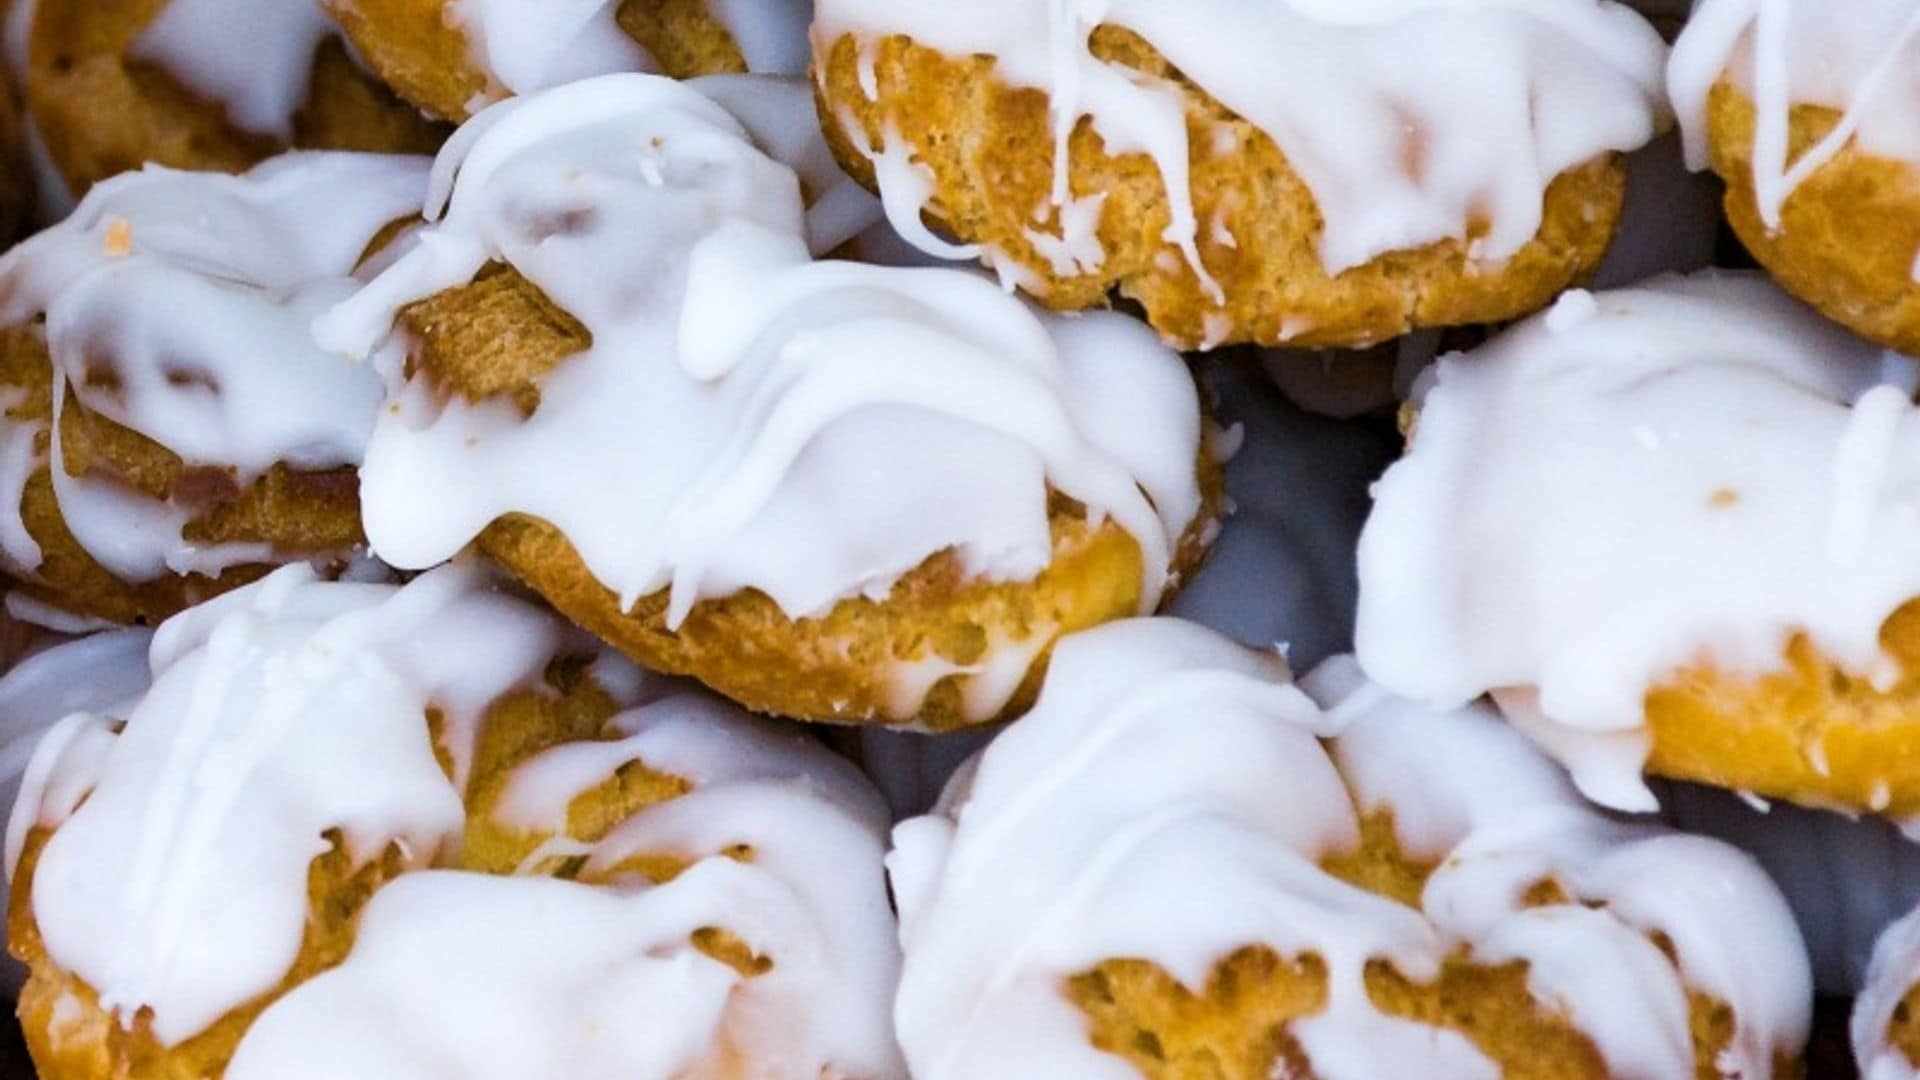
(527, 47)
(292, 708)
(1634, 480)
(192, 294)
(1846, 879)
(1187, 849)
(1350, 91)
(1896, 963)
(1282, 572)
(254, 60)
(751, 381)
(1858, 57)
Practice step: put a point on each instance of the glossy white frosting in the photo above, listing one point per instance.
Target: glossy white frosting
(1860, 57)
(1896, 962)
(293, 708)
(1631, 482)
(1216, 800)
(787, 443)
(524, 47)
(1350, 91)
(193, 292)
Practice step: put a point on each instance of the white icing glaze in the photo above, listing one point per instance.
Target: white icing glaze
(292, 708)
(525, 47)
(603, 981)
(752, 381)
(1628, 483)
(1846, 879)
(191, 293)
(1282, 572)
(1896, 962)
(253, 59)
(1860, 57)
(1348, 90)
(1188, 849)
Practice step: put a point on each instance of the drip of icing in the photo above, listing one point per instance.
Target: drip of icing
(1606, 493)
(765, 380)
(529, 47)
(255, 59)
(1864, 63)
(1187, 733)
(277, 713)
(1349, 91)
(1282, 571)
(1891, 975)
(178, 305)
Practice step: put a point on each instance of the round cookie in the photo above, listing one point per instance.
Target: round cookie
(361, 830)
(1807, 111)
(1351, 185)
(1259, 885)
(163, 331)
(830, 491)
(198, 84)
(1674, 529)
(454, 57)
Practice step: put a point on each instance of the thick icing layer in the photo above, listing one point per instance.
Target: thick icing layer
(1349, 91)
(1282, 572)
(1859, 57)
(750, 380)
(1847, 879)
(525, 47)
(178, 305)
(1583, 510)
(292, 709)
(1187, 849)
(255, 60)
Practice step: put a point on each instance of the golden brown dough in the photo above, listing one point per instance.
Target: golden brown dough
(988, 147)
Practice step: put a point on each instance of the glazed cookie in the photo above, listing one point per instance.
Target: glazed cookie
(1808, 110)
(163, 332)
(454, 57)
(1348, 184)
(828, 490)
(1179, 865)
(199, 84)
(361, 830)
(1673, 529)
(1886, 1016)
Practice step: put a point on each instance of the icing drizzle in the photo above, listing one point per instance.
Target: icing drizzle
(1350, 92)
(1187, 850)
(292, 708)
(177, 304)
(751, 380)
(1609, 491)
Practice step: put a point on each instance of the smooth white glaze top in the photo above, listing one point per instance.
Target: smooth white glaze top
(1400, 143)
(746, 417)
(1632, 482)
(524, 47)
(1282, 572)
(1860, 57)
(254, 60)
(179, 305)
(1216, 802)
(293, 708)
(1895, 969)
